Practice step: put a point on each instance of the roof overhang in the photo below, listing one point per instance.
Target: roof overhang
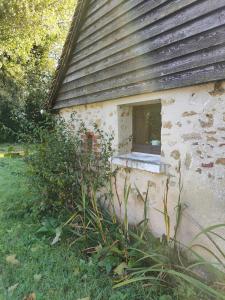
(68, 48)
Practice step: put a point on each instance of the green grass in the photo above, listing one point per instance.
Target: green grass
(52, 272)
(10, 147)
(11, 150)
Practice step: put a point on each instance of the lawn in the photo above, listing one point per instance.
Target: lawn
(29, 265)
(10, 150)
(10, 147)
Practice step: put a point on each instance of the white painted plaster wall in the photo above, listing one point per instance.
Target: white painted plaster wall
(193, 133)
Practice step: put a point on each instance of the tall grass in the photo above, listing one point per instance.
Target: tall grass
(166, 266)
(146, 258)
(79, 179)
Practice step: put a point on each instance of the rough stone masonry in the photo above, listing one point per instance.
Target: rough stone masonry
(193, 149)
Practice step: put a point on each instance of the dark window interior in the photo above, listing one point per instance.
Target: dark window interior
(147, 128)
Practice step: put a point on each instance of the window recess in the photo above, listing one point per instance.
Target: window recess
(143, 124)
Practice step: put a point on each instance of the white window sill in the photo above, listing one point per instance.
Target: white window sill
(142, 161)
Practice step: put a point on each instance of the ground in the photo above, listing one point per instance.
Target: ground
(28, 262)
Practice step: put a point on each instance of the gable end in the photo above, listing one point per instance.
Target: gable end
(120, 48)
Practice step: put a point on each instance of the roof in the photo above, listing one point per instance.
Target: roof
(119, 48)
(71, 38)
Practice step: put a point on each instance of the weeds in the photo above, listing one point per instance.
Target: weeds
(73, 175)
(165, 211)
(179, 207)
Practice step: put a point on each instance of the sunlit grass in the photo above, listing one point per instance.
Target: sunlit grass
(7, 150)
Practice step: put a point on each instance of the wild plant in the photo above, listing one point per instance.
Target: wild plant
(164, 266)
(73, 176)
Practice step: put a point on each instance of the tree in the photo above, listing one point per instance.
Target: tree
(32, 33)
(28, 25)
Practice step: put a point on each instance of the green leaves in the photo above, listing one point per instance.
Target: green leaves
(32, 36)
(120, 269)
(43, 22)
(110, 262)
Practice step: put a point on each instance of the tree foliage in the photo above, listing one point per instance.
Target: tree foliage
(32, 33)
(32, 30)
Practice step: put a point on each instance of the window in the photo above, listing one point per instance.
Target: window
(147, 128)
(143, 124)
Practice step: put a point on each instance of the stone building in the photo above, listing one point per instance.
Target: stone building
(153, 73)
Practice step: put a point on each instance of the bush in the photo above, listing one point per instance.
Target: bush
(7, 124)
(20, 106)
(66, 162)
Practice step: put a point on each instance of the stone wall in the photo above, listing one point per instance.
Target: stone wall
(193, 148)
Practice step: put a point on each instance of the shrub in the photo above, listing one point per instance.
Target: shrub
(68, 160)
(7, 124)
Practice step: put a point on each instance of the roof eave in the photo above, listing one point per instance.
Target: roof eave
(68, 48)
